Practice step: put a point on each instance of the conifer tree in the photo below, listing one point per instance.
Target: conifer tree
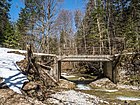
(4, 18)
(8, 32)
(132, 32)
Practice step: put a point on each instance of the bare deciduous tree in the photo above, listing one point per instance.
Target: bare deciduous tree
(46, 18)
(65, 29)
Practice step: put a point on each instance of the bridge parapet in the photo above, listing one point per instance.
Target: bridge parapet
(79, 58)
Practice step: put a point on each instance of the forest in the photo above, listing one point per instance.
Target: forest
(106, 27)
(39, 52)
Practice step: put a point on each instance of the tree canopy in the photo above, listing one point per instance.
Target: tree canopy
(106, 27)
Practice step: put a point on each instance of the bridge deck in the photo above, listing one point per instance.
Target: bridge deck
(78, 58)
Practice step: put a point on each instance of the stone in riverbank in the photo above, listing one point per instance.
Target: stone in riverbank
(103, 83)
(9, 97)
(66, 84)
(128, 70)
(128, 87)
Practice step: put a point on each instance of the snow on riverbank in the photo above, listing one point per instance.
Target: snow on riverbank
(128, 98)
(9, 71)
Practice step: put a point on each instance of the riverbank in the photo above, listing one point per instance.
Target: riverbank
(99, 96)
(9, 97)
(99, 92)
(72, 97)
(105, 83)
(106, 90)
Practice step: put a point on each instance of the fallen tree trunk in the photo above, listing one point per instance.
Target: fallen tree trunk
(45, 67)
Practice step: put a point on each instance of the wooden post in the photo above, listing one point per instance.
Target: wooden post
(29, 52)
(55, 69)
(59, 70)
(93, 51)
(29, 56)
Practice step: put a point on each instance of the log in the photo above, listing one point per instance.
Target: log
(43, 66)
(50, 77)
(47, 63)
(43, 54)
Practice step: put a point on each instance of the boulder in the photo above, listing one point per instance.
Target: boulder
(33, 89)
(66, 84)
(103, 83)
(30, 86)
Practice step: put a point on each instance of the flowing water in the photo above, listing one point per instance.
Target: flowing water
(83, 87)
(119, 96)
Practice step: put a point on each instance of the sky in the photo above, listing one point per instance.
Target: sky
(16, 6)
(67, 4)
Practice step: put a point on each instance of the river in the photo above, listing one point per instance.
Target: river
(118, 96)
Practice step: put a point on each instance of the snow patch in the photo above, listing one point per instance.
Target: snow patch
(9, 71)
(67, 76)
(107, 90)
(123, 98)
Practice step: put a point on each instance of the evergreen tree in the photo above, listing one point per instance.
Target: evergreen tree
(112, 25)
(4, 18)
(54, 44)
(22, 24)
(132, 32)
(8, 33)
(9, 38)
(93, 30)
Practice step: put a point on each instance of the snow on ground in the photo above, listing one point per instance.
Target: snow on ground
(107, 90)
(128, 98)
(9, 71)
(67, 76)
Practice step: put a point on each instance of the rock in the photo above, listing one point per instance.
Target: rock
(81, 78)
(128, 70)
(30, 86)
(33, 89)
(9, 97)
(66, 84)
(128, 87)
(103, 83)
(72, 97)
